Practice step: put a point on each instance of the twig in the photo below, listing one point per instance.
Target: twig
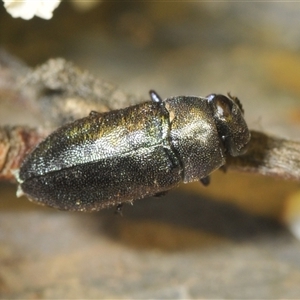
(58, 91)
(270, 156)
(15, 143)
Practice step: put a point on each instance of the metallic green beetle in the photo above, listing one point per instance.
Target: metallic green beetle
(110, 158)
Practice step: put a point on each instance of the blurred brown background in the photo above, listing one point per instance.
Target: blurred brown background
(223, 241)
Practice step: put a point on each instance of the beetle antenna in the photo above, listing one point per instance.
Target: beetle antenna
(237, 101)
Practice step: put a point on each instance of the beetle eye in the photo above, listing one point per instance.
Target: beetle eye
(232, 129)
(223, 105)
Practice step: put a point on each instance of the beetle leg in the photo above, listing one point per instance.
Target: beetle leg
(205, 180)
(160, 194)
(118, 210)
(155, 97)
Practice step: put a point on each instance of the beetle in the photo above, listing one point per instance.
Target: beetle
(109, 158)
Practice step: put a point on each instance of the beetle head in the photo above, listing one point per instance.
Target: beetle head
(231, 126)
